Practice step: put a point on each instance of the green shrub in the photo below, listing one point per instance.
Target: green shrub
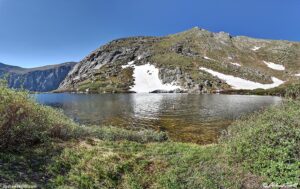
(267, 143)
(293, 90)
(24, 123)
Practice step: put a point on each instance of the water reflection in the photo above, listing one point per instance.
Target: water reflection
(186, 117)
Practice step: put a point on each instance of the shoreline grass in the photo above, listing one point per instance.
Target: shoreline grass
(41, 146)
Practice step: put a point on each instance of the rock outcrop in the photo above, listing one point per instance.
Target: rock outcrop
(42, 79)
(104, 64)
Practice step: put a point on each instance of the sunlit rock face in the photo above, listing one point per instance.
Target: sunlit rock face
(42, 79)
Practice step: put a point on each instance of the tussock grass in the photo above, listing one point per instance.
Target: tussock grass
(134, 165)
(111, 133)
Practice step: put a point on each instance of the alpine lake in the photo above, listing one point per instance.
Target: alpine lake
(197, 118)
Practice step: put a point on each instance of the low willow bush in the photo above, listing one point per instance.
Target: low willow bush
(24, 123)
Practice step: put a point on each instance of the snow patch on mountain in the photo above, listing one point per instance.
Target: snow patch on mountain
(129, 64)
(146, 79)
(255, 48)
(207, 58)
(274, 66)
(236, 64)
(239, 83)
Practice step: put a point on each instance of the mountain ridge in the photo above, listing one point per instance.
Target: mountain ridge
(39, 79)
(11, 68)
(179, 58)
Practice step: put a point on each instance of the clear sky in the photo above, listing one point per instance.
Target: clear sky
(42, 32)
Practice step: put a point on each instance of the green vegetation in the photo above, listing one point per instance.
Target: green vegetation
(267, 143)
(24, 123)
(40, 145)
(128, 164)
(187, 49)
(104, 81)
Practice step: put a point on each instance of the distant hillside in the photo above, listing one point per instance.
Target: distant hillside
(194, 61)
(41, 79)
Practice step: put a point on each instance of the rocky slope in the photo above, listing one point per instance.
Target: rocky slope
(195, 61)
(41, 79)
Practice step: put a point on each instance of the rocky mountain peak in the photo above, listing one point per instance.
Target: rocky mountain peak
(179, 58)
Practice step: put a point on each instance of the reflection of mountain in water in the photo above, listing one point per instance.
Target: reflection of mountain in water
(148, 105)
(184, 116)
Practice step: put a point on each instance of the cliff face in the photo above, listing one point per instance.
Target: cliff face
(103, 67)
(42, 79)
(195, 60)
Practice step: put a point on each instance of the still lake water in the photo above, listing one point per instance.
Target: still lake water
(186, 117)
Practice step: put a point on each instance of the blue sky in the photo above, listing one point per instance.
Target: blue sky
(42, 32)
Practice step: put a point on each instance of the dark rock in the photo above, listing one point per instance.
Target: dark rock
(170, 91)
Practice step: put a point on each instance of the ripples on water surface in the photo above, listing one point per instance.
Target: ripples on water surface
(186, 117)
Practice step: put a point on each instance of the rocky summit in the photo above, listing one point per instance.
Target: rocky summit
(41, 79)
(195, 61)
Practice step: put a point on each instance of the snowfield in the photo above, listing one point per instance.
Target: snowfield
(147, 79)
(274, 66)
(239, 83)
(236, 64)
(255, 48)
(207, 58)
(129, 64)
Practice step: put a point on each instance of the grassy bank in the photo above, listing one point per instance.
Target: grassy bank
(41, 146)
